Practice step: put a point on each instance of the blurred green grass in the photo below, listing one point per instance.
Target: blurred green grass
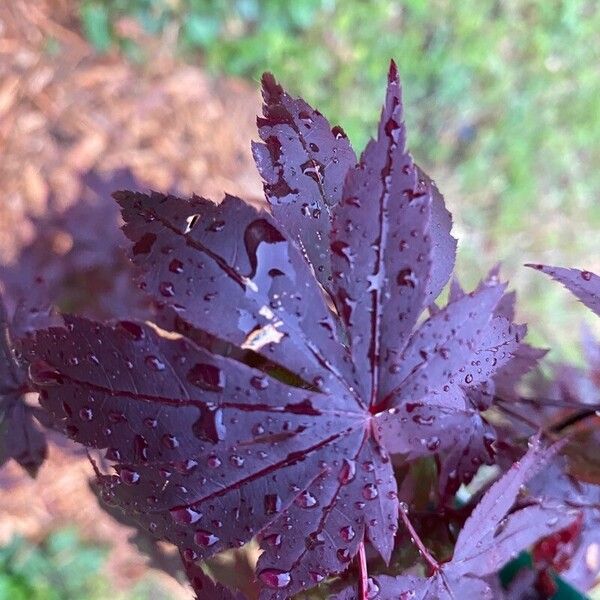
(63, 567)
(502, 103)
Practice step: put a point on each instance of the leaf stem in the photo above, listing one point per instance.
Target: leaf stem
(363, 575)
(431, 561)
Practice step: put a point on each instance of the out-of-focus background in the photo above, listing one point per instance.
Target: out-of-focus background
(503, 108)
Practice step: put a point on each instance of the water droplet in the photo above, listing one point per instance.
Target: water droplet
(343, 555)
(272, 504)
(236, 460)
(190, 555)
(369, 491)
(423, 420)
(314, 539)
(113, 454)
(274, 578)
(586, 275)
(259, 382)
(433, 444)
(116, 416)
(347, 533)
(140, 448)
(185, 515)
(86, 414)
(205, 538)
(317, 577)
(347, 472)
(406, 277)
(210, 426)
(167, 289)
(273, 540)
(314, 169)
(372, 589)
(133, 329)
(207, 377)
(169, 441)
(129, 477)
(369, 466)
(306, 500)
(392, 129)
(468, 378)
(213, 461)
(176, 266)
(338, 132)
(150, 422)
(154, 363)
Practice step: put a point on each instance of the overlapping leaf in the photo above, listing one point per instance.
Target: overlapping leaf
(267, 413)
(583, 284)
(490, 537)
(20, 436)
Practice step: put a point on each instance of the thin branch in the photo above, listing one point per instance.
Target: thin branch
(431, 561)
(363, 575)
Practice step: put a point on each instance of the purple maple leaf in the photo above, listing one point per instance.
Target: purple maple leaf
(583, 284)
(490, 537)
(20, 437)
(263, 412)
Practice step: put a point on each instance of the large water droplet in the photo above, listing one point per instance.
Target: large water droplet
(306, 500)
(372, 589)
(407, 277)
(213, 461)
(347, 533)
(314, 539)
(424, 420)
(274, 578)
(133, 329)
(347, 472)
(369, 491)
(236, 460)
(176, 266)
(314, 169)
(259, 382)
(272, 504)
(210, 426)
(273, 540)
(86, 413)
(167, 289)
(343, 555)
(185, 515)
(129, 476)
(154, 363)
(207, 377)
(169, 441)
(205, 538)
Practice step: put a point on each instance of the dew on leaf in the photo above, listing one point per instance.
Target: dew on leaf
(205, 538)
(275, 578)
(185, 515)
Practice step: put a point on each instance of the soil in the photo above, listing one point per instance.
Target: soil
(65, 110)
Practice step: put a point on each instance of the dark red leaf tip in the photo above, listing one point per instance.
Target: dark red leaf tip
(393, 76)
(271, 89)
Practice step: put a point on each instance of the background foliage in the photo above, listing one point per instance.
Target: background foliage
(503, 99)
(503, 102)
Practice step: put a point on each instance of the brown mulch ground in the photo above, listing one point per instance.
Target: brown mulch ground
(63, 112)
